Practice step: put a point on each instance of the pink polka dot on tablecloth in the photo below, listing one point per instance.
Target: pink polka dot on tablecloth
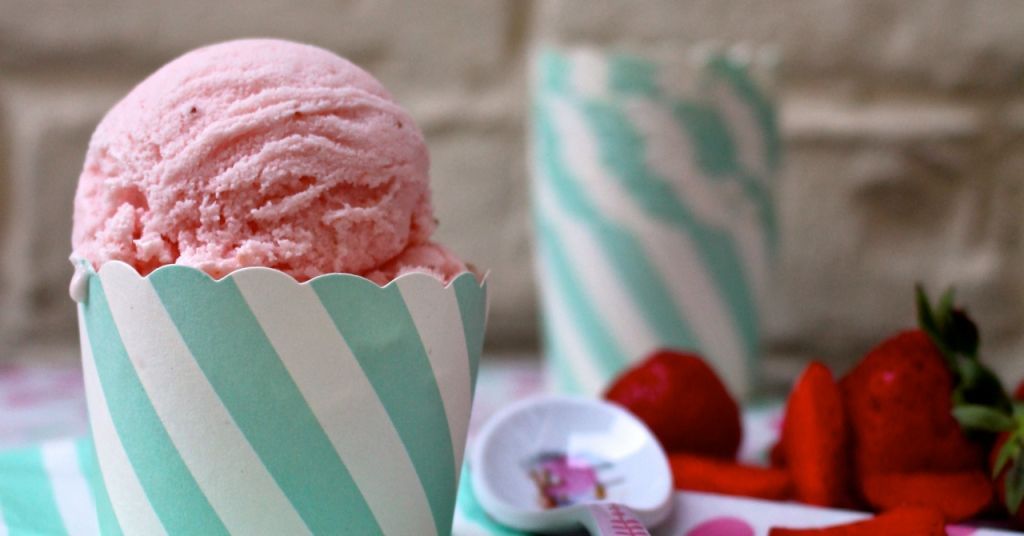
(722, 526)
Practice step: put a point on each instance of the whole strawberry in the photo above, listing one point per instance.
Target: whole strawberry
(899, 402)
(924, 409)
(683, 402)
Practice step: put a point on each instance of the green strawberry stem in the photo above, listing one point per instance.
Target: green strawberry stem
(980, 403)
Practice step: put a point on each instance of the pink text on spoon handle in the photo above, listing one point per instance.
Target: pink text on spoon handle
(609, 519)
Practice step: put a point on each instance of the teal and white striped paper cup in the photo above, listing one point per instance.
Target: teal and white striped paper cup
(258, 405)
(652, 197)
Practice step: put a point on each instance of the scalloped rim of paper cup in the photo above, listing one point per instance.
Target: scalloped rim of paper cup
(84, 267)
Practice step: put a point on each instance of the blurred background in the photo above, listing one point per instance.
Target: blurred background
(903, 124)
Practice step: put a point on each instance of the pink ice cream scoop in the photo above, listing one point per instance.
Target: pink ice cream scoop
(259, 153)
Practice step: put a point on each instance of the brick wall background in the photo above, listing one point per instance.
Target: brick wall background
(904, 123)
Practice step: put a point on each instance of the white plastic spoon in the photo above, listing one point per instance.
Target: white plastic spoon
(553, 463)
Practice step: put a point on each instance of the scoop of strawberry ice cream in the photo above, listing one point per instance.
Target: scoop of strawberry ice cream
(257, 153)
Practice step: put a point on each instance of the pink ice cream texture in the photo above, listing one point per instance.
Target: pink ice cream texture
(260, 153)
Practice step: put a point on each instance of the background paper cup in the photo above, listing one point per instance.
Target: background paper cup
(258, 405)
(652, 193)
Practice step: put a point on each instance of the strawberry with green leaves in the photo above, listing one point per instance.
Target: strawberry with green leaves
(924, 412)
(981, 405)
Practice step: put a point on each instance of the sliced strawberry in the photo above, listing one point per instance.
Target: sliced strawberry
(900, 521)
(815, 440)
(957, 496)
(683, 402)
(777, 455)
(699, 473)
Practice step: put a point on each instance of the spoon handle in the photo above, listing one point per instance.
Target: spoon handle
(610, 519)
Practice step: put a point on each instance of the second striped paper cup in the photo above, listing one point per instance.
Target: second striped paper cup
(257, 405)
(652, 193)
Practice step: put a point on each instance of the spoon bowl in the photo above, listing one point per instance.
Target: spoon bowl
(552, 463)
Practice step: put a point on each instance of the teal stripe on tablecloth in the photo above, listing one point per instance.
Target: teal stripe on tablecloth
(383, 337)
(472, 308)
(26, 495)
(717, 157)
(632, 76)
(89, 466)
(622, 249)
(241, 365)
(738, 77)
(169, 486)
(622, 152)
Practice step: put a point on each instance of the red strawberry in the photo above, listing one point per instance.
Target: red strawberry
(901, 521)
(957, 495)
(683, 402)
(899, 402)
(713, 475)
(815, 440)
(1018, 393)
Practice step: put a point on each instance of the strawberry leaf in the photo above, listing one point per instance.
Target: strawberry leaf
(1010, 451)
(944, 312)
(970, 372)
(925, 317)
(983, 418)
(1015, 487)
(933, 325)
(962, 334)
(982, 406)
(977, 384)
